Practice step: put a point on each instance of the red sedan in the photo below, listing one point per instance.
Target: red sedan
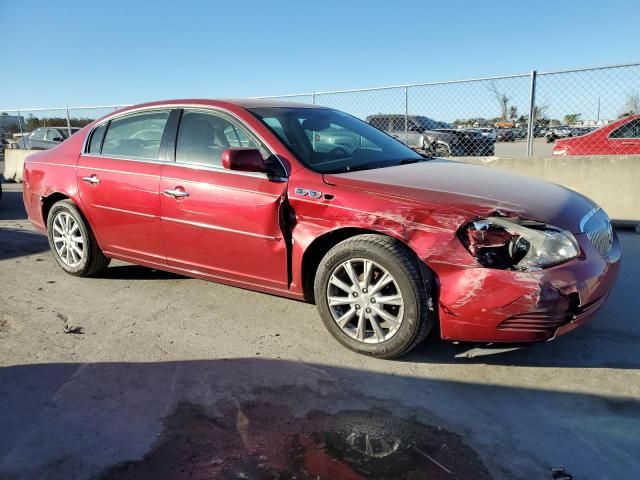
(313, 204)
(618, 138)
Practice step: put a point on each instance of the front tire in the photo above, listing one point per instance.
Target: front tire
(374, 297)
(72, 242)
(442, 150)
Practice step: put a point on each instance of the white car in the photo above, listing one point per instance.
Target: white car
(486, 132)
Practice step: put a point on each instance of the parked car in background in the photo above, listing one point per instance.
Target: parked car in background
(436, 138)
(44, 138)
(559, 131)
(388, 243)
(505, 135)
(486, 132)
(618, 138)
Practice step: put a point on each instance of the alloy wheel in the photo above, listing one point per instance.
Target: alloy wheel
(365, 300)
(68, 241)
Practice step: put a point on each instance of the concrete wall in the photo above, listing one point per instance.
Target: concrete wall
(611, 181)
(14, 162)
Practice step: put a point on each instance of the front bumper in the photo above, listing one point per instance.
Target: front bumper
(489, 305)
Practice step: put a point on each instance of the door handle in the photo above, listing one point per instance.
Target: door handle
(93, 180)
(176, 193)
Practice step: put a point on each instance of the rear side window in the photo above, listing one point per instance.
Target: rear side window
(381, 123)
(628, 130)
(38, 134)
(397, 124)
(136, 136)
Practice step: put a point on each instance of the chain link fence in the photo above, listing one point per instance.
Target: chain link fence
(573, 112)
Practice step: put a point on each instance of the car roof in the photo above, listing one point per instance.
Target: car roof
(225, 102)
(60, 127)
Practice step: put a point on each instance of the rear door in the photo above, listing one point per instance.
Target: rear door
(219, 222)
(118, 181)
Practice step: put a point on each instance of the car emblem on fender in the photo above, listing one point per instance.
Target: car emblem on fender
(308, 193)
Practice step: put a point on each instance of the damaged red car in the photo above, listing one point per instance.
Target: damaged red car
(313, 204)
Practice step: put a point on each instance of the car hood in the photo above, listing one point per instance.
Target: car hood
(476, 191)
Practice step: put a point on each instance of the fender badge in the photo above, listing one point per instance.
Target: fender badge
(307, 193)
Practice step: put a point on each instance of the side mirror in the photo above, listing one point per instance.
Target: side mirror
(244, 160)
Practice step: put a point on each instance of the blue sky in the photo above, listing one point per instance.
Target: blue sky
(86, 52)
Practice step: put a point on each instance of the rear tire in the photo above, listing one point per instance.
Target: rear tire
(72, 242)
(382, 322)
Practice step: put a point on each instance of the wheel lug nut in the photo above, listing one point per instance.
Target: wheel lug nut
(355, 294)
(368, 310)
(373, 300)
(364, 290)
(357, 307)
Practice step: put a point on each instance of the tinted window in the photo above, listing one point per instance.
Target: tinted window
(38, 134)
(53, 133)
(628, 130)
(136, 136)
(202, 137)
(96, 139)
(427, 123)
(397, 124)
(381, 123)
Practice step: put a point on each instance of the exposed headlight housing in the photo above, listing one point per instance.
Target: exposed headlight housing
(503, 243)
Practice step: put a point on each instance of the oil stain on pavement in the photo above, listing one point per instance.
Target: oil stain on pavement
(264, 441)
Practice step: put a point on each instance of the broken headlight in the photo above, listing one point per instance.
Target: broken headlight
(498, 242)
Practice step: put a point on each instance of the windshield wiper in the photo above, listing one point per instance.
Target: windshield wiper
(408, 161)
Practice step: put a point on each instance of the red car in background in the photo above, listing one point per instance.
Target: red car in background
(618, 138)
(311, 203)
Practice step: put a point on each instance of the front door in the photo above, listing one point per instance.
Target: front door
(119, 180)
(222, 223)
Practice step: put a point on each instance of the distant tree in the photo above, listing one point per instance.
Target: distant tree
(33, 122)
(502, 99)
(632, 104)
(513, 112)
(4, 114)
(571, 118)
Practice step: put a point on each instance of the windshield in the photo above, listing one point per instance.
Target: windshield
(330, 141)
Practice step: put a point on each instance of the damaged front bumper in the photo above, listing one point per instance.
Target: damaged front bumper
(491, 305)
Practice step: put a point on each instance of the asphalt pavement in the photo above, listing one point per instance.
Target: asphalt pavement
(172, 377)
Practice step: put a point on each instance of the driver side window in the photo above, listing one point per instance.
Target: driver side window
(203, 136)
(52, 134)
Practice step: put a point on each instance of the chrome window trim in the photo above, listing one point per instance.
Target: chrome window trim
(174, 164)
(211, 168)
(207, 108)
(126, 159)
(588, 217)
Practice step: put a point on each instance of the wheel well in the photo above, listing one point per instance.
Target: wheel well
(318, 249)
(48, 202)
